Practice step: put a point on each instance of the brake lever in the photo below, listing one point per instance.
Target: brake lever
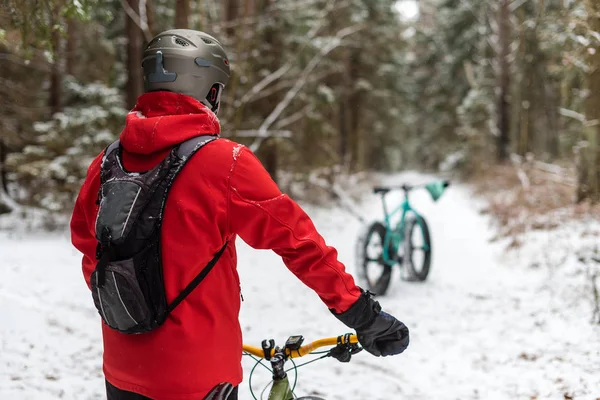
(267, 348)
(355, 348)
(344, 352)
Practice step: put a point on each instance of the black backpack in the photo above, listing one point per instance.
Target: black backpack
(127, 284)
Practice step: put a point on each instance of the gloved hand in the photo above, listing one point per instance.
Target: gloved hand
(378, 332)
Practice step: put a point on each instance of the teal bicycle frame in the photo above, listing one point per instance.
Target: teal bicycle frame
(394, 236)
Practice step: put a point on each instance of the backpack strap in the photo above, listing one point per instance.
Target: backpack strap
(199, 278)
(184, 151)
(112, 147)
(191, 146)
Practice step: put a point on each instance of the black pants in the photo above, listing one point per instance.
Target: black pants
(114, 393)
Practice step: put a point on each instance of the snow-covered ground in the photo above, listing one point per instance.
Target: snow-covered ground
(487, 324)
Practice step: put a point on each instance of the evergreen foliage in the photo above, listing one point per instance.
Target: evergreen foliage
(51, 168)
(357, 86)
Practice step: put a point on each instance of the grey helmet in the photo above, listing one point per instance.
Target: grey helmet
(187, 62)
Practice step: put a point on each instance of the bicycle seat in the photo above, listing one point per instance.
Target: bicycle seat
(381, 189)
(220, 392)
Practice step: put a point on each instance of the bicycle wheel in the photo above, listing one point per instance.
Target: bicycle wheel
(418, 249)
(375, 273)
(309, 398)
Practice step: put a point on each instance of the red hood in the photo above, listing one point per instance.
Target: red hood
(161, 120)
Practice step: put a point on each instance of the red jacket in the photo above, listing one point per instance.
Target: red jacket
(223, 191)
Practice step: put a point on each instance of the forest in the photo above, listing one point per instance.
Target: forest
(319, 88)
(498, 98)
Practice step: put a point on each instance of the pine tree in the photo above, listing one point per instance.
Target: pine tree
(51, 169)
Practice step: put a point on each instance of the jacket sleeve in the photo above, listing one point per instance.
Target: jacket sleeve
(82, 221)
(267, 219)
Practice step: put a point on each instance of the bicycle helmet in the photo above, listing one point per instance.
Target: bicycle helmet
(188, 62)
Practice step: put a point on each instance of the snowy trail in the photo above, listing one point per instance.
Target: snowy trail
(483, 326)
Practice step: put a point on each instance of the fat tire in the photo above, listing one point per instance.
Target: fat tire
(419, 223)
(381, 285)
(309, 398)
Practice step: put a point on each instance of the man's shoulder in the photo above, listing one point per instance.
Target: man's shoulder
(216, 158)
(223, 151)
(229, 145)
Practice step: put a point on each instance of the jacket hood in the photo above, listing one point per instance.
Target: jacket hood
(161, 120)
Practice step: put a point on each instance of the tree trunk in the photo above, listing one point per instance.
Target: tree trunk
(354, 111)
(589, 161)
(250, 8)
(270, 150)
(182, 12)
(342, 128)
(54, 101)
(150, 17)
(230, 12)
(271, 157)
(6, 203)
(518, 88)
(3, 154)
(504, 82)
(71, 46)
(134, 87)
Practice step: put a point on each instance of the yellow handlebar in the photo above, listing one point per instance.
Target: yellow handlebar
(307, 348)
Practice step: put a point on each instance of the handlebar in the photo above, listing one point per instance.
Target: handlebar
(307, 348)
(386, 189)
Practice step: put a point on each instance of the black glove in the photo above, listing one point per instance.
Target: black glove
(378, 332)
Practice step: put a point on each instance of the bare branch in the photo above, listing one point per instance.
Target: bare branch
(291, 94)
(468, 67)
(293, 118)
(142, 23)
(5, 198)
(286, 67)
(516, 4)
(252, 133)
(315, 29)
(27, 63)
(144, 19)
(572, 114)
(288, 83)
(263, 83)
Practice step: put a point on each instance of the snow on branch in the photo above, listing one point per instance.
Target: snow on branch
(289, 120)
(491, 21)
(272, 77)
(288, 83)
(572, 114)
(516, 4)
(141, 19)
(251, 133)
(333, 43)
(6, 200)
(263, 84)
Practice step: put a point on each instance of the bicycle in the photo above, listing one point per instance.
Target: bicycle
(345, 347)
(382, 245)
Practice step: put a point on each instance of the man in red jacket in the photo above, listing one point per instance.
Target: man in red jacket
(221, 193)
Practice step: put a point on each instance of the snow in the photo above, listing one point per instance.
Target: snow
(236, 151)
(487, 324)
(408, 9)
